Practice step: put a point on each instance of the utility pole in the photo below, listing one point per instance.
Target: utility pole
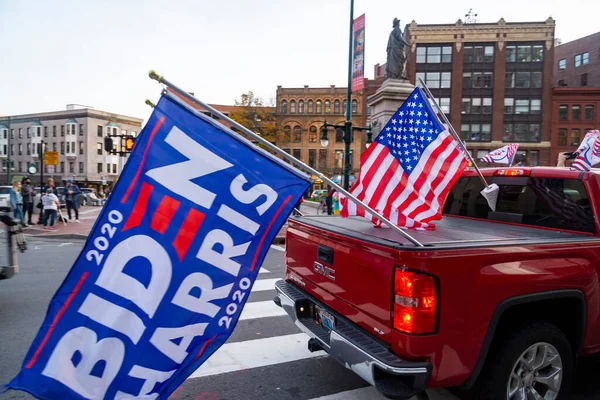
(348, 124)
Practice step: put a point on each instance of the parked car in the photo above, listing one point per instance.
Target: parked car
(318, 193)
(499, 303)
(5, 198)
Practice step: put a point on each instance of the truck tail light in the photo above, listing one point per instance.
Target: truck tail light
(512, 172)
(415, 302)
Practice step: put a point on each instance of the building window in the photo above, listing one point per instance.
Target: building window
(62, 166)
(72, 167)
(80, 167)
(301, 106)
(522, 107)
(284, 107)
(310, 106)
(319, 107)
(509, 106)
(536, 106)
(80, 129)
(336, 107)
(523, 53)
(522, 80)
(45, 131)
(312, 158)
(511, 53)
(322, 159)
(100, 168)
(354, 106)
(20, 149)
(536, 80)
(589, 113)
(28, 149)
(62, 130)
(12, 133)
(574, 137)
(62, 148)
(434, 54)
(562, 64)
(53, 146)
(100, 132)
(114, 168)
(339, 135)
(509, 80)
(293, 106)
(521, 132)
(12, 149)
(476, 132)
(327, 107)
(575, 112)
(107, 168)
(562, 137)
(297, 154)
(436, 80)
(584, 79)
(537, 53)
(478, 54)
(20, 166)
(477, 80)
(477, 105)
(312, 134)
(54, 131)
(339, 159)
(80, 147)
(297, 134)
(563, 112)
(585, 58)
(444, 104)
(287, 134)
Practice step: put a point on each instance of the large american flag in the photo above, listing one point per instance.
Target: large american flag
(588, 152)
(408, 171)
(503, 155)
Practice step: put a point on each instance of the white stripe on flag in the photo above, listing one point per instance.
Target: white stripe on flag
(261, 309)
(377, 178)
(256, 353)
(261, 285)
(364, 169)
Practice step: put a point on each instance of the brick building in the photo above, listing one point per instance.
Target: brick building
(577, 63)
(493, 80)
(77, 134)
(574, 112)
(300, 116)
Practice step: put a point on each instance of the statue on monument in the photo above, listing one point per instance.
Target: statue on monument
(396, 58)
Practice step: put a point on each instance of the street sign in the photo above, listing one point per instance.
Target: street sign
(51, 158)
(51, 169)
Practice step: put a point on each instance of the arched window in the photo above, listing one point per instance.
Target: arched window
(339, 135)
(345, 105)
(297, 134)
(310, 106)
(284, 107)
(319, 107)
(354, 106)
(327, 107)
(301, 106)
(287, 134)
(336, 107)
(312, 134)
(293, 106)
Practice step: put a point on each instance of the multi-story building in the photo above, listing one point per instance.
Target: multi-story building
(577, 63)
(76, 134)
(300, 116)
(493, 81)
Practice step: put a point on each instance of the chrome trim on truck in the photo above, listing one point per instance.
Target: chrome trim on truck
(344, 350)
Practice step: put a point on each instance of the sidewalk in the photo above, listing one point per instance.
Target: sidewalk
(72, 230)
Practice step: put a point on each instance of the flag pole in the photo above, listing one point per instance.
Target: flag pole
(159, 78)
(452, 131)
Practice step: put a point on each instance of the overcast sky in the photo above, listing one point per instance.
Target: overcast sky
(98, 53)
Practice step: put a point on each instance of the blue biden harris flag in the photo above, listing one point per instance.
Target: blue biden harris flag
(168, 266)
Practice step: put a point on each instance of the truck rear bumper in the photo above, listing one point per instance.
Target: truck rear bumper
(370, 359)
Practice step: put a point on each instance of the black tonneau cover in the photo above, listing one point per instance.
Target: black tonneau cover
(450, 233)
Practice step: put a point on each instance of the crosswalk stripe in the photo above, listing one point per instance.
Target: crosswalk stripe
(263, 271)
(256, 353)
(264, 284)
(261, 309)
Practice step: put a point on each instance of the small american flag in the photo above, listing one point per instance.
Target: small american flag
(588, 152)
(407, 172)
(504, 155)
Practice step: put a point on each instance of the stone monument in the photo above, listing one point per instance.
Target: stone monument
(396, 88)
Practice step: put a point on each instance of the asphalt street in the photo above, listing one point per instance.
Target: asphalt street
(265, 358)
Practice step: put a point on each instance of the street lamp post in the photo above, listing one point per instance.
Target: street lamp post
(347, 127)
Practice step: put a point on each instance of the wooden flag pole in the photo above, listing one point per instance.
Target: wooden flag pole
(271, 146)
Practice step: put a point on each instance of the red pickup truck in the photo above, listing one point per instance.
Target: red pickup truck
(498, 303)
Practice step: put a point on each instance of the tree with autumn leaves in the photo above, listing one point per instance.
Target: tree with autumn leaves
(251, 112)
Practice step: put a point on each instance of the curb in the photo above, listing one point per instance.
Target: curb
(72, 236)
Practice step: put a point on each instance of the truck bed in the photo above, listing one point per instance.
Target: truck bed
(450, 233)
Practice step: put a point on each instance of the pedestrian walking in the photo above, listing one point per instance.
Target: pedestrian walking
(50, 204)
(16, 202)
(72, 193)
(329, 201)
(49, 185)
(28, 196)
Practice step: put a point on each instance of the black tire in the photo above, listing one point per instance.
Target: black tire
(494, 379)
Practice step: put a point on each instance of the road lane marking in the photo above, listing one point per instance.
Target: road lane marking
(256, 353)
(263, 271)
(261, 285)
(279, 248)
(370, 393)
(261, 309)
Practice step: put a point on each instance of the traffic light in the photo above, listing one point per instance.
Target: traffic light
(108, 144)
(129, 142)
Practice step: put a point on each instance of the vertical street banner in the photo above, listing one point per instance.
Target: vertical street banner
(166, 271)
(358, 60)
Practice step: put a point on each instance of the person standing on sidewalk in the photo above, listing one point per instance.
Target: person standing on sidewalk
(50, 204)
(28, 197)
(49, 185)
(72, 193)
(16, 202)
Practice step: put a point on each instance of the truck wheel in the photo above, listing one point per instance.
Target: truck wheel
(533, 362)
